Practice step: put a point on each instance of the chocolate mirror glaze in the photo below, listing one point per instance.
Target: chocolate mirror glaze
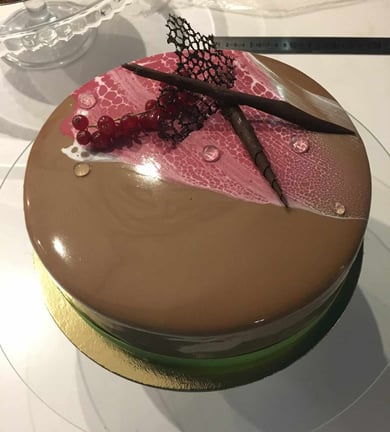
(176, 259)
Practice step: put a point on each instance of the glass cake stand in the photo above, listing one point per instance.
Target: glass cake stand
(44, 35)
(347, 370)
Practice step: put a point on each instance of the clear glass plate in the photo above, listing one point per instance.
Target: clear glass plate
(336, 385)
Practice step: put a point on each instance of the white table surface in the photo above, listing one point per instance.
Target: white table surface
(342, 385)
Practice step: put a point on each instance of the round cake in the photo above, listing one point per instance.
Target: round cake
(187, 251)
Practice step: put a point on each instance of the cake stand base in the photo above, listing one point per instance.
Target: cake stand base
(191, 375)
(53, 44)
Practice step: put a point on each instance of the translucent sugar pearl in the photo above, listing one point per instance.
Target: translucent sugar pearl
(86, 100)
(211, 153)
(81, 169)
(339, 209)
(299, 144)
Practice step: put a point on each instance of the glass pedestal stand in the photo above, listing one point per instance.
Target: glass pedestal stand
(349, 369)
(45, 35)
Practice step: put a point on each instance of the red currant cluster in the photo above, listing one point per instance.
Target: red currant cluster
(110, 133)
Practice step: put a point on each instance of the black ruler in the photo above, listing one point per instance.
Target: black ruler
(306, 45)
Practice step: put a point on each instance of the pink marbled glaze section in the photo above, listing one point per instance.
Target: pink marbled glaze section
(314, 180)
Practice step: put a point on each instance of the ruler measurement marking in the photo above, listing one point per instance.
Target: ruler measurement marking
(307, 45)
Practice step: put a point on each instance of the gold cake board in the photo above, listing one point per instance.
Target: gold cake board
(190, 375)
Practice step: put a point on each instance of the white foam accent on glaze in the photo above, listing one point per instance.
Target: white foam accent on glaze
(82, 154)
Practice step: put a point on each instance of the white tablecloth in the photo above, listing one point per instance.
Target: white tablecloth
(323, 392)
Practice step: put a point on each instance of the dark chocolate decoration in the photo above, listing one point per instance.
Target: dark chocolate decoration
(247, 134)
(197, 58)
(277, 108)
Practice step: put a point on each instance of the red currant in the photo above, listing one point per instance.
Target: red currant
(150, 121)
(146, 123)
(122, 141)
(185, 98)
(83, 137)
(150, 104)
(106, 125)
(173, 109)
(100, 141)
(118, 132)
(130, 124)
(80, 122)
(166, 98)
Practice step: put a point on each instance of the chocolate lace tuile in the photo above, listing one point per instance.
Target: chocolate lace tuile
(198, 59)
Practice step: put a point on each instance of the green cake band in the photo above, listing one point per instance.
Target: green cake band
(192, 374)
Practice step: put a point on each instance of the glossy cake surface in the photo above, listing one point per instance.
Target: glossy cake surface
(177, 242)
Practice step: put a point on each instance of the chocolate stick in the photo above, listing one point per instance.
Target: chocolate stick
(247, 134)
(278, 108)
